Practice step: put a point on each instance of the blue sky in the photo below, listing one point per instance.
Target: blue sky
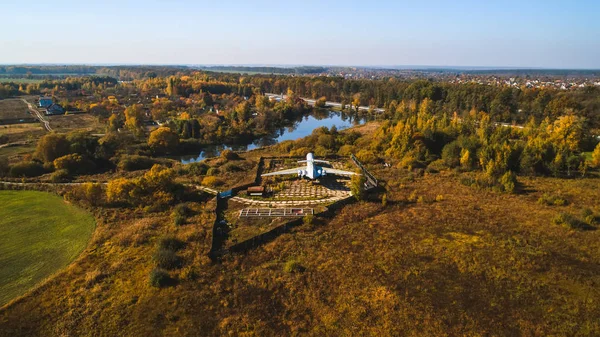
(534, 33)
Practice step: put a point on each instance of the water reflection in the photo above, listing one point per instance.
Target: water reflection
(299, 129)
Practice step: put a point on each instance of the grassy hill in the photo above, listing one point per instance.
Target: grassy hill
(40, 235)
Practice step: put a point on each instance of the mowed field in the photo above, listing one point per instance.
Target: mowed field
(40, 235)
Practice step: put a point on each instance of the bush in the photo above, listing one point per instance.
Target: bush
(159, 278)
(198, 169)
(308, 219)
(552, 200)
(211, 181)
(213, 171)
(26, 169)
(230, 167)
(170, 243)
(570, 221)
(166, 259)
(451, 154)
(509, 182)
(367, 157)
(178, 220)
(229, 155)
(180, 214)
(135, 162)
(60, 176)
(293, 266)
(73, 163)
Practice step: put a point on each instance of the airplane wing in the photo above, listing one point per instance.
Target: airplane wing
(338, 172)
(315, 161)
(282, 172)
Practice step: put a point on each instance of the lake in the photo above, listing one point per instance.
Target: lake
(299, 130)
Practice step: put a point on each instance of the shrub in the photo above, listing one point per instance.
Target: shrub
(509, 182)
(211, 181)
(552, 200)
(229, 155)
(293, 266)
(135, 162)
(451, 154)
(345, 150)
(73, 163)
(308, 219)
(166, 259)
(436, 166)
(170, 243)
(60, 176)
(357, 186)
(230, 167)
(588, 216)
(197, 168)
(213, 171)
(182, 209)
(570, 221)
(178, 220)
(26, 169)
(159, 278)
(367, 157)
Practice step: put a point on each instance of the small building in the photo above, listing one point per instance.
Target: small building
(54, 109)
(45, 101)
(257, 191)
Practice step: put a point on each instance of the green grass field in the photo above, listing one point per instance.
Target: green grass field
(40, 235)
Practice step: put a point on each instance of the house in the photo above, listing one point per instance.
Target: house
(45, 101)
(55, 109)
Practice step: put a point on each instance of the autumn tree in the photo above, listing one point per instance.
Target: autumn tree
(113, 124)
(163, 140)
(52, 146)
(357, 186)
(596, 157)
(133, 119)
(321, 102)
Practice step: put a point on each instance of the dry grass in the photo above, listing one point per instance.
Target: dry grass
(66, 123)
(473, 262)
(13, 108)
(20, 128)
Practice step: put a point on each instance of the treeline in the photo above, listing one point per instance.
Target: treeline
(86, 83)
(42, 70)
(269, 70)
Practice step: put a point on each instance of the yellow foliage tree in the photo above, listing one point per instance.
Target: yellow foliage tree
(596, 157)
(163, 140)
(133, 119)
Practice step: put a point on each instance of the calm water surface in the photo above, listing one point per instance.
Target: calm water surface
(299, 130)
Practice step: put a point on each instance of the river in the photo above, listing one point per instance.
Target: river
(299, 130)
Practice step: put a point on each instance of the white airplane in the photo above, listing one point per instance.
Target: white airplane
(311, 171)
